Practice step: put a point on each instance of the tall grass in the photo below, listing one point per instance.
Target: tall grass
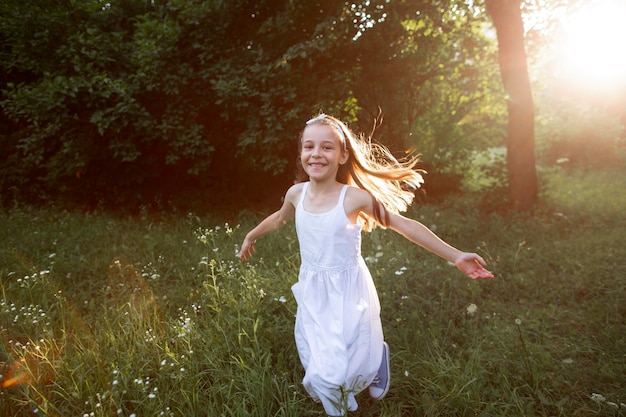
(109, 316)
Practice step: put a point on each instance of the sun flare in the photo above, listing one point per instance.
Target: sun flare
(592, 50)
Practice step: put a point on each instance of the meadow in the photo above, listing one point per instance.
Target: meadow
(146, 315)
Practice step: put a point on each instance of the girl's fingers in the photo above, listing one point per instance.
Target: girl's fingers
(246, 253)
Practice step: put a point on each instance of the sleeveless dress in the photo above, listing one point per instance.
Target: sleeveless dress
(338, 330)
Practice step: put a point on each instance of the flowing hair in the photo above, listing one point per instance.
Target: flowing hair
(372, 167)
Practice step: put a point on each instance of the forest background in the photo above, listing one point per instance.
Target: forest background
(170, 104)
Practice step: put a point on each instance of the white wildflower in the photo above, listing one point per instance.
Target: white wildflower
(472, 309)
(599, 398)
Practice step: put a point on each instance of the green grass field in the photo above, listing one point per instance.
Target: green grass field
(102, 315)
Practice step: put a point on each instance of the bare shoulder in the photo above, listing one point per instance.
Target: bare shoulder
(357, 193)
(293, 194)
(358, 199)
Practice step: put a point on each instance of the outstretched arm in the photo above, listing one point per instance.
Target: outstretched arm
(271, 223)
(470, 264)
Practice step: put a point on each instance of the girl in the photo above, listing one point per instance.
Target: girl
(348, 184)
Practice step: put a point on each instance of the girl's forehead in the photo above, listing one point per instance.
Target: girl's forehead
(317, 132)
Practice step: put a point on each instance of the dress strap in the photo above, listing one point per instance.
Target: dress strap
(342, 195)
(303, 193)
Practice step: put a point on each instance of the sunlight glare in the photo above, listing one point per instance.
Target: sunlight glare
(594, 48)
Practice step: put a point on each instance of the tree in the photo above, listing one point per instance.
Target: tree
(520, 141)
(135, 97)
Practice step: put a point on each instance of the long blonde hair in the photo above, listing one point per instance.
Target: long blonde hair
(372, 167)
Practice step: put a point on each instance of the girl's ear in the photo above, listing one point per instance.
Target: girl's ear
(345, 155)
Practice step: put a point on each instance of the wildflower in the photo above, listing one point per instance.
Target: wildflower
(599, 398)
(401, 270)
(472, 309)
(518, 322)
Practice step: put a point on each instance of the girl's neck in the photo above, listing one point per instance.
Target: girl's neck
(321, 197)
(324, 187)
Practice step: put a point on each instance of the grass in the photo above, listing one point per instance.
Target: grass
(109, 316)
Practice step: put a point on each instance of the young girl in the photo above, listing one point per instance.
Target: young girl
(348, 184)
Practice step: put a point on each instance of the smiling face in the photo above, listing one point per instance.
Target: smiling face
(322, 152)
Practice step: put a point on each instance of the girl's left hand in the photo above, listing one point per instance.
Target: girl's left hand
(472, 265)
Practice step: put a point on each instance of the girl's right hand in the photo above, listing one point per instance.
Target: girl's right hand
(247, 249)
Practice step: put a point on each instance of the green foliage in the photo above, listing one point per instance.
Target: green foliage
(155, 316)
(443, 100)
(130, 99)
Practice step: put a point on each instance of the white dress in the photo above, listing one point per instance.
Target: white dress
(338, 330)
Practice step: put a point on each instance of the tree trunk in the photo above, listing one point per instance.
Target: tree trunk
(520, 142)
